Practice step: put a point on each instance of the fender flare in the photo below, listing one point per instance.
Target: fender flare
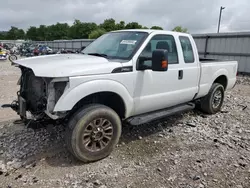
(71, 96)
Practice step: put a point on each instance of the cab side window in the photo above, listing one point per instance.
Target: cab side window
(166, 42)
(187, 49)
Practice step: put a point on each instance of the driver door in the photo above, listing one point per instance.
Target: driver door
(158, 90)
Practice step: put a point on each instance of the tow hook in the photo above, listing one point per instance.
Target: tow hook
(13, 105)
(6, 106)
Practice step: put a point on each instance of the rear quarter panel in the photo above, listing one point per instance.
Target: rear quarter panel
(211, 71)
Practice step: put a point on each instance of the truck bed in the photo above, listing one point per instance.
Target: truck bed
(211, 69)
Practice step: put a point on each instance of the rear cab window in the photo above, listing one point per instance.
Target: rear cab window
(187, 49)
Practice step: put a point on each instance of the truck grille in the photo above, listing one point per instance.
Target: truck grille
(33, 90)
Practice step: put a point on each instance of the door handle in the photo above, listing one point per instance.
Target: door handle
(180, 75)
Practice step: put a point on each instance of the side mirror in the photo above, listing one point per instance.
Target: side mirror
(160, 60)
(141, 63)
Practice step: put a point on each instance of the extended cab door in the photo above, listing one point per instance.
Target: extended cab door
(158, 90)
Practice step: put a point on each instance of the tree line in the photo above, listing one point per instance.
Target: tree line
(79, 30)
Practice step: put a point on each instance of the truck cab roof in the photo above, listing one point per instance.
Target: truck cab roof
(149, 31)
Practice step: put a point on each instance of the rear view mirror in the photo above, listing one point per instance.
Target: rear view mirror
(160, 60)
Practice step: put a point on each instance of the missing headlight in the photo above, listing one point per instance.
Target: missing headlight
(55, 90)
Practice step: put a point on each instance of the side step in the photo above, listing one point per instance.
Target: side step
(151, 116)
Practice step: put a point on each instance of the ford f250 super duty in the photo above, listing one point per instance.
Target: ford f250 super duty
(132, 76)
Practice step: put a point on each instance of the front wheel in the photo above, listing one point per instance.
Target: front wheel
(93, 132)
(212, 103)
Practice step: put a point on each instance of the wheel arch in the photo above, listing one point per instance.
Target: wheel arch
(220, 77)
(107, 98)
(95, 91)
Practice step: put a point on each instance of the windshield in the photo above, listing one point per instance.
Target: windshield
(116, 45)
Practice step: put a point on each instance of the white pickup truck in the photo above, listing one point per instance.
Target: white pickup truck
(130, 75)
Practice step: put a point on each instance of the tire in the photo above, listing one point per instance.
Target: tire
(12, 57)
(213, 101)
(100, 138)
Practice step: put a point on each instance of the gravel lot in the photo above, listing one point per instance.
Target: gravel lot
(8, 79)
(191, 150)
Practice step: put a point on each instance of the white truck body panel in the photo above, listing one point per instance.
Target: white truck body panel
(211, 71)
(165, 89)
(141, 91)
(83, 86)
(67, 65)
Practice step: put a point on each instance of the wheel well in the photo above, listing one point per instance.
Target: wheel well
(222, 80)
(109, 99)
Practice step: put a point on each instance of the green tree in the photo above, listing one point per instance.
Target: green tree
(133, 25)
(78, 30)
(58, 31)
(3, 35)
(14, 33)
(156, 27)
(42, 32)
(32, 33)
(108, 25)
(120, 25)
(20, 34)
(81, 30)
(74, 30)
(96, 33)
(180, 29)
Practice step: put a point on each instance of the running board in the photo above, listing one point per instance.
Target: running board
(151, 116)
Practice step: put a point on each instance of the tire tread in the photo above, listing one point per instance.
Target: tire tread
(206, 105)
(73, 122)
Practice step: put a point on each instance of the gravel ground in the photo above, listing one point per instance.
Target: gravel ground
(191, 150)
(8, 79)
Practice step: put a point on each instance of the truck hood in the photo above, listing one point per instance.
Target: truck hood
(66, 65)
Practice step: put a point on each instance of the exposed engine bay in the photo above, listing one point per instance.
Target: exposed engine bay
(38, 96)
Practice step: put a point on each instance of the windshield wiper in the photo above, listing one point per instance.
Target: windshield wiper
(97, 54)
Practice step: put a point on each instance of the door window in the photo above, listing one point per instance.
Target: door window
(161, 42)
(187, 49)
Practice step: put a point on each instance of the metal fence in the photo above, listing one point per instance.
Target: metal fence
(66, 44)
(228, 46)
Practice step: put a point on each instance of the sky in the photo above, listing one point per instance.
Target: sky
(199, 16)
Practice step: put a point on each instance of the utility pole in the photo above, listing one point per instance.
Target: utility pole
(221, 8)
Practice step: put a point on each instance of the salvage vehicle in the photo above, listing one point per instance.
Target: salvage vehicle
(132, 76)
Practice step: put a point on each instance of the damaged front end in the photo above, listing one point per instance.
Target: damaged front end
(37, 96)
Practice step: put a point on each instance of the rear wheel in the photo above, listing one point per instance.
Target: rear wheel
(212, 103)
(93, 132)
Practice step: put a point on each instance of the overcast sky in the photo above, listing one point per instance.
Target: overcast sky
(199, 16)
